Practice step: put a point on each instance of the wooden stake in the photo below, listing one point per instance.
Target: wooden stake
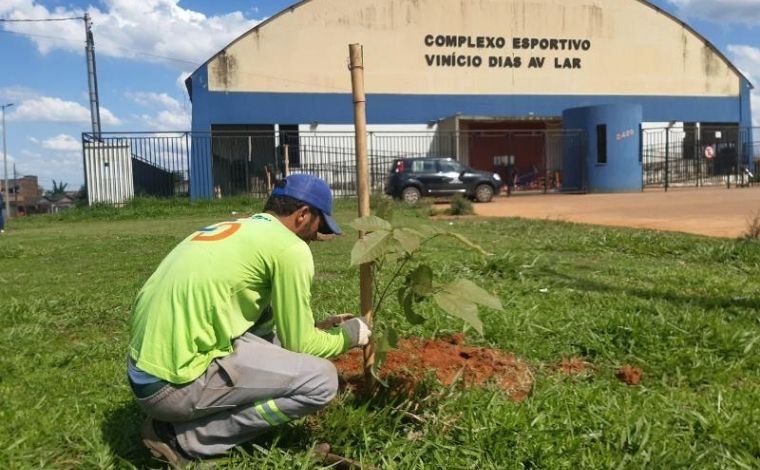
(362, 191)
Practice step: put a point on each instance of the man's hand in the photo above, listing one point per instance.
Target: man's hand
(333, 321)
(357, 331)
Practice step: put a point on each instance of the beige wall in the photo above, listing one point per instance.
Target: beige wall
(634, 50)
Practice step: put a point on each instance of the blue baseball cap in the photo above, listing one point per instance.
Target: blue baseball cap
(312, 191)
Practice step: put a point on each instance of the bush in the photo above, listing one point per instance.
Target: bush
(460, 205)
(381, 206)
(753, 227)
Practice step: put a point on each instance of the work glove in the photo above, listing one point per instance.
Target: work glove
(333, 321)
(357, 331)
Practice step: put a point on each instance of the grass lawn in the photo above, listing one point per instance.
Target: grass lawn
(685, 309)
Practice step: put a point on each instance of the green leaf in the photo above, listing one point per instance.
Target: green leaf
(416, 232)
(469, 244)
(387, 342)
(420, 281)
(393, 252)
(374, 370)
(383, 344)
(392, 337)
(458, 307)
(369, 248)
(430, 230)
(468, 290)
(411, 316)
(409, 240)
(371, 223)
(400, 293)
(382, 207)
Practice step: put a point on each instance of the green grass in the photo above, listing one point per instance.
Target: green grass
(685, 309)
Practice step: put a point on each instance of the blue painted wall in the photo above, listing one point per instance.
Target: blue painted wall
(622, 171)
(337, 108)
(292, 108)
(746, 123)
(201, 177)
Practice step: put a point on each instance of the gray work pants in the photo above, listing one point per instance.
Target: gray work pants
(258, 386)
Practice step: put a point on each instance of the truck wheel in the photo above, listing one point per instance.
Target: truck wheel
(483, 193)
(411, 195)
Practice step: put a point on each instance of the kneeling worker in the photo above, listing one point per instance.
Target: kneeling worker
(223, 344)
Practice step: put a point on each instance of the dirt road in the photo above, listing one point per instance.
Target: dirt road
(717, 211)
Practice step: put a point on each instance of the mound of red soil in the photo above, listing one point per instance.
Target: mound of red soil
(449, 359)
(629, 374)
(572, 366)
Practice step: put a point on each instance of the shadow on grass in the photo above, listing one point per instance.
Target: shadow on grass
(706, 302)
(121, 430)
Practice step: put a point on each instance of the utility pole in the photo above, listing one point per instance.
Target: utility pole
(5, 163)
(16, 187)
(92, 77)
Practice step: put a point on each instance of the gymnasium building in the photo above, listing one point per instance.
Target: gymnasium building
(565, 95)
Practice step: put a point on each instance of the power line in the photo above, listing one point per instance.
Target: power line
(9, 20)
(41, 36)
(148, 54)
(133, 51)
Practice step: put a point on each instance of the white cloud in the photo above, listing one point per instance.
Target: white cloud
(14, 94)
(181, 82)
(61, 166)
(167, 121)
(152, 99)
(170, 114)
(732, 11)
(152, 30)
(51, 109)
(747, 59)
(63, 142)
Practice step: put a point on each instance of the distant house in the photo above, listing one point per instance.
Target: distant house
(23, 195)
(54, 203)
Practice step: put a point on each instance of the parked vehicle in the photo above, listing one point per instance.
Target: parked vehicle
(413, 178)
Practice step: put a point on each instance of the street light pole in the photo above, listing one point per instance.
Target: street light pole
(5, 162)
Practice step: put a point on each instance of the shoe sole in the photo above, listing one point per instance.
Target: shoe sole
(158, 449)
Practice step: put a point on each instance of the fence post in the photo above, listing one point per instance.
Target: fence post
(286, 159)
(85, 167)
(667, 158)
(248, 167)
(188, 158)
(697, 154)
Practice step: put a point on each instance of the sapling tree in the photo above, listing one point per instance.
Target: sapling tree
(399, 272)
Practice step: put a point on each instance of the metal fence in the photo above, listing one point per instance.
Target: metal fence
(691, 155)
(121, 166)
(118, 167)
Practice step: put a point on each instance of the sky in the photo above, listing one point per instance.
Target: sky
(146, 48)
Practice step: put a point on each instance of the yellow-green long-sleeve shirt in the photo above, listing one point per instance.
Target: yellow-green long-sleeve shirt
(214, 286)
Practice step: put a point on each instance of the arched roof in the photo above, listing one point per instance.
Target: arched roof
(696, 33)
(269, 22)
